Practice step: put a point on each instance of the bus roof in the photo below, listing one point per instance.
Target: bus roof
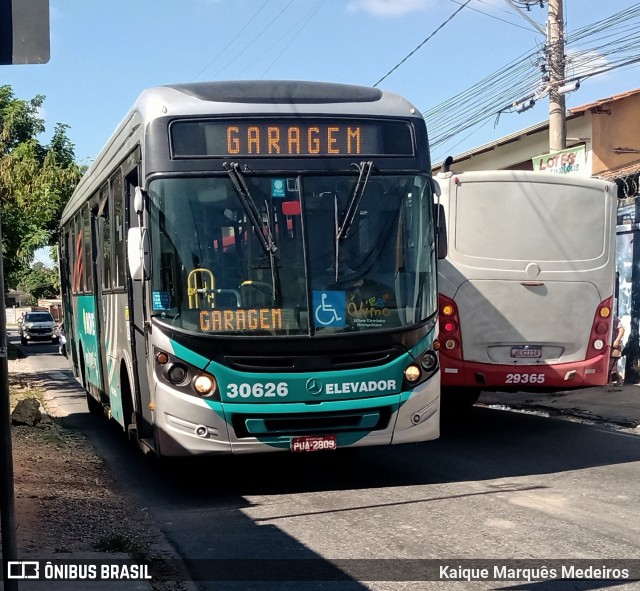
(522, 176)
(275, 97)
(257, 96)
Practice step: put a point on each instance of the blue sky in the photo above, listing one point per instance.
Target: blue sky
(104, 53)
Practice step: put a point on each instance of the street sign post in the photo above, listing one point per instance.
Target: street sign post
(24, 39)
(24, 32)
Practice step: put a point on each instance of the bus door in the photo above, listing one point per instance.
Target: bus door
(65, 275)
(136, 291)
(101, 247)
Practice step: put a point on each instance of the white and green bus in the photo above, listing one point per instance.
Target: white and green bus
(251, 266)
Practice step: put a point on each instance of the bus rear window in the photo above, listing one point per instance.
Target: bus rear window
(493, 224)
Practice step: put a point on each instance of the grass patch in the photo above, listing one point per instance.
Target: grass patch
(21, 387)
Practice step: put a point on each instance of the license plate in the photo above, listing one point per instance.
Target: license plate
(314, 443)
(526, 352)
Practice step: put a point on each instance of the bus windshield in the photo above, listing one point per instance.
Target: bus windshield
(263, 256)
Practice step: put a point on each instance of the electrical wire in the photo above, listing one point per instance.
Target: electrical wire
(300, 25)
(493, 16)
(421, 44)
(232, 40)
(614, 40)
(262, 32)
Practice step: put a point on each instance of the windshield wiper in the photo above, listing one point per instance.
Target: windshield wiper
(364, 170)
(342, 230)
(267, 242)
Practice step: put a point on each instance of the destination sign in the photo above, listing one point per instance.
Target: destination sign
(268, 138)
(236, 320)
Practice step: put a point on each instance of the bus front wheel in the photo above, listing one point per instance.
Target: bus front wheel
(129, 418)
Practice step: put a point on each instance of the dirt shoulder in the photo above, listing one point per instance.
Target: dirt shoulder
(67, 500)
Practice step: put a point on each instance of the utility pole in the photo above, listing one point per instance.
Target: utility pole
(555, 55)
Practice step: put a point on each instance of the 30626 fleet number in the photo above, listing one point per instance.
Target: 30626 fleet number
(524, 378)
(257, 390)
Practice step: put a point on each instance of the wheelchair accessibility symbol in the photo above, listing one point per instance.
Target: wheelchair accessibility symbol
(329, 308)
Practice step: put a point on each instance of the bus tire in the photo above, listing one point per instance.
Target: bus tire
(128, 415)
(95, 408)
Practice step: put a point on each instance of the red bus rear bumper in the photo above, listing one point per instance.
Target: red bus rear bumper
(563, 376)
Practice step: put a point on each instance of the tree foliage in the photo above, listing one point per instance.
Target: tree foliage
(40, 282)
(36, 181)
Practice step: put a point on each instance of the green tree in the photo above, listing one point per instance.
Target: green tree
(36, 181)
(40, 282)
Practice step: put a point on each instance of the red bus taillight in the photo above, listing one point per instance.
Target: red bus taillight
(450, 337)
(600, 329)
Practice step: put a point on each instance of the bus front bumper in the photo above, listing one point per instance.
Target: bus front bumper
(186, 425)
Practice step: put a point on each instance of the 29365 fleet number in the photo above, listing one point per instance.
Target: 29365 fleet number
(524, 378)
(258, 390)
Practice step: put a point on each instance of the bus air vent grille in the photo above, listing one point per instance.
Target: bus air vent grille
(318, 362)
(366, 420)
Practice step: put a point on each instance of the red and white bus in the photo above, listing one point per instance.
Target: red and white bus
(526, 290)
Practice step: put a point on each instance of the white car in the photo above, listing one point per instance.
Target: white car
(38, 326)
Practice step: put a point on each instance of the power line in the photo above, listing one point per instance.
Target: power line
(421, 44)
(614, 40)
(232, 40)
(262, 32)
(493, 16)
(299, 25)
(302, 24)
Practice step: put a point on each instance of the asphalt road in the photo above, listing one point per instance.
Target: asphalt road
(497, 485)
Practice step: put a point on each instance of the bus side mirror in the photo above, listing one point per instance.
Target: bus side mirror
(138, 200)
(436, 188)
(138, 254)
(441, 230)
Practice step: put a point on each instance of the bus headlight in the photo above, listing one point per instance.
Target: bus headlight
(177, 373)
(429, 361)
(422, 368)
(184, 377)
(412, 373)
(205, 385)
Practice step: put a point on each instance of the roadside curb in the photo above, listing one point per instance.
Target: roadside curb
(577, 413)
(614, 406)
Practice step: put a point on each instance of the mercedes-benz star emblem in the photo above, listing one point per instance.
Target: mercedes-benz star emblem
(314, 386)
